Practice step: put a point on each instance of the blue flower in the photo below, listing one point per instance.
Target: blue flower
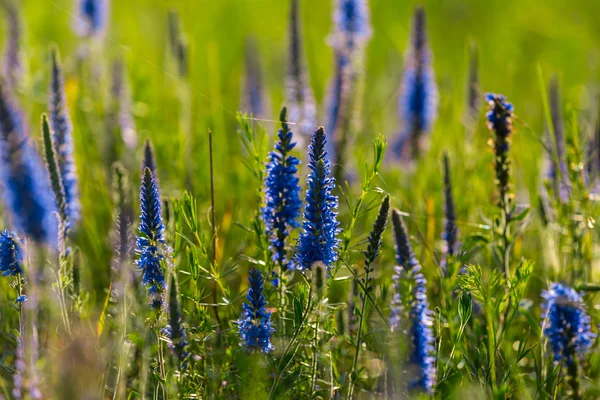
(299, 96)
(351, 25)
(254, 324)
(26, 185)
(282, 194)
(318, 242)
(568, 326)
(11, 257)
(422, 335)
(63, 139)
(92, 17)
(418, 99)
(337, 104)
(21, 299)
(150, 241)
(149, 159)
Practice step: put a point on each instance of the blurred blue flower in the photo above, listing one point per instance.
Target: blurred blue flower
(418, 100)
(352, 27)
(63, 139)
(11, 257)
(422, 335)
(299, 97)
(568, 326)
(150, 240)
(318, 242)
(26, 184)
(282, 195)
(176, 330)
(450, 233)
(12, 63)
(92, 17)
(254, 324)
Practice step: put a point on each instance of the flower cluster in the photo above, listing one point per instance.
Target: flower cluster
(422, 334)
(26, 184)
(568, 326)
(254, 324)
(150, 240)
(499, 119)
(11, 257)
(63, 140)
(282, 194)
(318, 242)
(418, 98)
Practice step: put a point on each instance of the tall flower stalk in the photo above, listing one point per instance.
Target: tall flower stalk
(151, 241)
(299, 96)
(318, 241)
(499, 119)
(282, 194)
(418, 99)
(351, 33)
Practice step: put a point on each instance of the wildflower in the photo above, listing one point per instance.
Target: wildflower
(317, 242)
(63, 140)
(254, 96)
(255, 322)
(150, 240)
(418, 99)
(351, 25)
(422, 335)
(12, 64)
(11, 257)
(175, 330)
(568, 326)
(499, 119)
(405, 256)
(27, 193)
(299, 96)
(282, 193)
(92, 17)
(21, 299)
(350, 35)
(450, 235)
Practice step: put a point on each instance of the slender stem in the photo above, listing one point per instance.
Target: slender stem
(214, 228)
(357, 348)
